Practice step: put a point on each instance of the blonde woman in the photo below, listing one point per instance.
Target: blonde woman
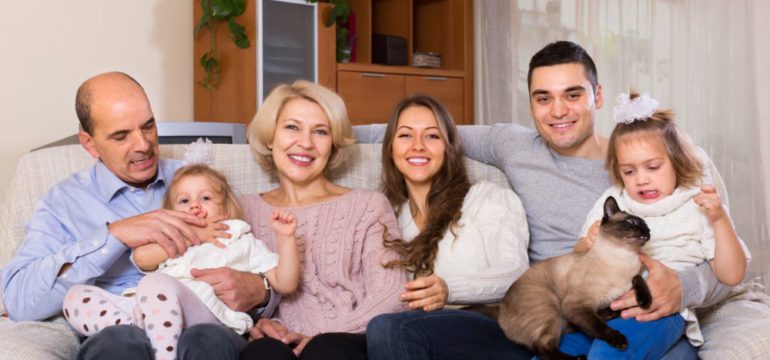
(301, 133)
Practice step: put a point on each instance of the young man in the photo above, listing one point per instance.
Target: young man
(84, 228)
(558, 172)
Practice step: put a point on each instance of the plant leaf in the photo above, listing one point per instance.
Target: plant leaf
(213, 71)
(239, 33)
(221, 8)
(239, 7)
(331, 18)
(206, 6)
(203, 22)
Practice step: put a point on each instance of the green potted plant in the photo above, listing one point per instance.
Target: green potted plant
(215, 12)
(338, 16)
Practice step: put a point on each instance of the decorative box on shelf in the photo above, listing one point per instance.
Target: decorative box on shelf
(426, 59)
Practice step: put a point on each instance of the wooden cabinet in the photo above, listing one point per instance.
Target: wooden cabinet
(236, 99)
(447, 90)
(438, 26)
(370, 90)
(369, 96)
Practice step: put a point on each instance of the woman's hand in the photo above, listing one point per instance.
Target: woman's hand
(299, 341)
(427, 293)
(273, 329)
(269, 328)
(586, 243)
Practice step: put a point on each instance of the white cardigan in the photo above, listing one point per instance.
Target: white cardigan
(490, 250)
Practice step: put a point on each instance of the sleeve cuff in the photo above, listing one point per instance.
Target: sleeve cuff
(455, 288)
(95, 255)
(267, 310)
(700, 287)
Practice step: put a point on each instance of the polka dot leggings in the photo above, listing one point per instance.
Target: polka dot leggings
(162, 306)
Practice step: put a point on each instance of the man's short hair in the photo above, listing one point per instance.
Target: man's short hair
(563, 52)
(83, 103)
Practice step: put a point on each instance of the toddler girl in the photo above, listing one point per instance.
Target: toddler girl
(169, 299)
(657, 175)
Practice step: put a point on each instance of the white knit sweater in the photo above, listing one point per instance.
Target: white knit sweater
(490, 250)
(680, 234)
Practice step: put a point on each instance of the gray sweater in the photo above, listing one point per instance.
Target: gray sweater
(557, 193)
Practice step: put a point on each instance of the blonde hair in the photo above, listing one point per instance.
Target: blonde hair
(262, 128)
(660, 125)
(219, 184)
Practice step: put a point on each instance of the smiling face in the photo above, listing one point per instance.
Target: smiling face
(562, 104)
(302, 142)
(645, 168)
(196, 195)
(124, 136)
(418, 145)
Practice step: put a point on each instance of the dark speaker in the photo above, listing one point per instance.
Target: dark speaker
(389, 50)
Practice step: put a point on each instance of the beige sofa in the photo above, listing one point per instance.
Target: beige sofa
(38, 171)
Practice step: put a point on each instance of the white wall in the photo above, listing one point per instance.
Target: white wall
(50, 47)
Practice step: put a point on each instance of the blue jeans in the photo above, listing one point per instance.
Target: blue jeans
(443, 334)
(204, 341)
(646, 340)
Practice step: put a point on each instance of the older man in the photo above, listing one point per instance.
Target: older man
(84, 228)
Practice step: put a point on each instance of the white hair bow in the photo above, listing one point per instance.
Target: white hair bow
(627, 111)
(200, 152)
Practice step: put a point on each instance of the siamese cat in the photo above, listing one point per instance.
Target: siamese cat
(578, 288)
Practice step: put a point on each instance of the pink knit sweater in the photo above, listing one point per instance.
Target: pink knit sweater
(343, 282)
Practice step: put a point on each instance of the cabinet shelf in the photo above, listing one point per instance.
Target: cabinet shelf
(407, 70)
(443, 27)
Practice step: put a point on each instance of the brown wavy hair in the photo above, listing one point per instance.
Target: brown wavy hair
(445, 198)
(219, 183)
(660, 125)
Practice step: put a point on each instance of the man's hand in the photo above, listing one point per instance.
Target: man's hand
(428, 293)
(213, 230)
(168, 228)
(240, 291)
(666, 291)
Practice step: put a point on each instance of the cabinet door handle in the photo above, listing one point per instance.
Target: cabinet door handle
(436, 78)
(373, 75)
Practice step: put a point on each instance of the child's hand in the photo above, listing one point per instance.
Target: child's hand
(586, 243)
(710, 202)
(283, 222)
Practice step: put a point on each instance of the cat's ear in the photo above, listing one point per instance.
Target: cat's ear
(610, 208)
